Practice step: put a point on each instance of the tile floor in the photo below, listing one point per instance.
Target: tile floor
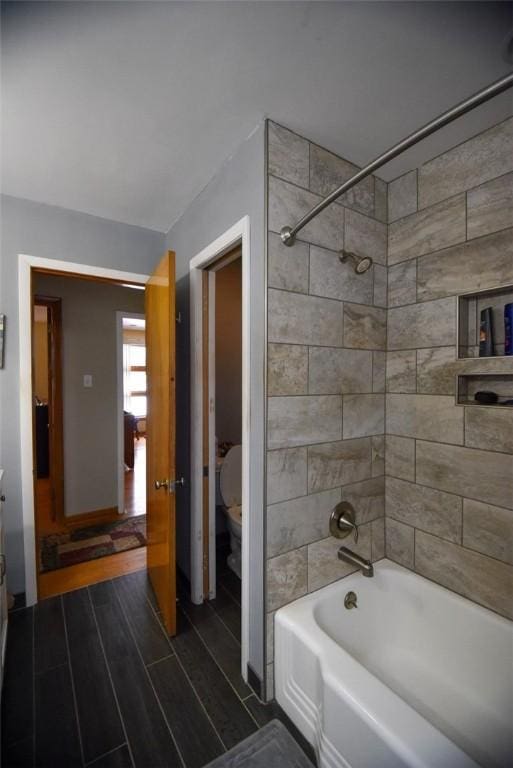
(92, 679)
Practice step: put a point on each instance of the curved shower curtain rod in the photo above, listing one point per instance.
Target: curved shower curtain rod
(288, 234)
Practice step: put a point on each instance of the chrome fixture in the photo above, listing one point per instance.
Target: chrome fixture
(342, 521)
(352, 558)
(288, 234)
(361, 263)
(350, 600)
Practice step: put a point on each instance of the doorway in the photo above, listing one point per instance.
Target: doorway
(79, 523)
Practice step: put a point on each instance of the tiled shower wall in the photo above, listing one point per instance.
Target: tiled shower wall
(326, 370)
(449, 468)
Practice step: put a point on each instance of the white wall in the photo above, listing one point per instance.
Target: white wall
(55, 233)
(90, 414)
(237, 190)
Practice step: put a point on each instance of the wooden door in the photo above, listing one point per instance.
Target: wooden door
(160, 437)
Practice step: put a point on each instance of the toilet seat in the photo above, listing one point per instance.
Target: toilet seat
(230, 478)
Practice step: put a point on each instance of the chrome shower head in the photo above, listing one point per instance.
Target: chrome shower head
(361, 263)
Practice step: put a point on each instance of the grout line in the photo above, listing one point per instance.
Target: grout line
(110, 674)
(70, 669)
(159, 704)
(157, 661)
(225, 625)
(105, 754)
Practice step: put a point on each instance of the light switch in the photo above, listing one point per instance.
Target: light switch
(88, 380)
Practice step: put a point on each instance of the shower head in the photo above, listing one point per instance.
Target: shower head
(361, 263)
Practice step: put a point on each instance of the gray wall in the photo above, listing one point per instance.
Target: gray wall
(237, 190)
(449, 468)
(56, 233)
(326, 370)
(89, 345)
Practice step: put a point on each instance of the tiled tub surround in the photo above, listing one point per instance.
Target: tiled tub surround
(449, 468)
(326, 370)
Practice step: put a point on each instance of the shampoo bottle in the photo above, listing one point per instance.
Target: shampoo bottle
(486, 333)
(508, 329)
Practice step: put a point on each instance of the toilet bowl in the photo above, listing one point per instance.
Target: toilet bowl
(230, 482)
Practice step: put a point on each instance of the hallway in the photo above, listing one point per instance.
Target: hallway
(92, 679)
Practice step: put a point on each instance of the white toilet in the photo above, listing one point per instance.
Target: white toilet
(230, 482)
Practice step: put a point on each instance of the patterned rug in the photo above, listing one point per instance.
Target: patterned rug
(59, 550)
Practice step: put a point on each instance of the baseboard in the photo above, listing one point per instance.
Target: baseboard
(96, 517)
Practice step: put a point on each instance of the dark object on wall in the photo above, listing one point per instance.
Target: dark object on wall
(42, 442)
(508, 329)
(486, 398)
(486, 333)
(130, 427)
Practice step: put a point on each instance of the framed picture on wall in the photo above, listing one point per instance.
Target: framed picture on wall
(2, 339)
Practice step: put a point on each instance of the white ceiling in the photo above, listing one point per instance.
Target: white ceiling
(126, 109)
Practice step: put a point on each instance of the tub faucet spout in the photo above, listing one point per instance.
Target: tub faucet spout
(364, 565)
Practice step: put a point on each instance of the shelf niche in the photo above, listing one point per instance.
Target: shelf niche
(470, 306)
(469, 384)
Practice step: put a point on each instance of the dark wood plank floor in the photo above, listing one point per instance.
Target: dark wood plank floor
(91, 679)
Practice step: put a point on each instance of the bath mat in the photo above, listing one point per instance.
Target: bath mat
(59, 550)
(270, 747)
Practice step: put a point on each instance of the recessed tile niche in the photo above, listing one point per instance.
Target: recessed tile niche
(497, 369)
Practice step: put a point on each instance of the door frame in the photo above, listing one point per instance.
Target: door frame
(239, 233)
(120, 403)
(26, 264)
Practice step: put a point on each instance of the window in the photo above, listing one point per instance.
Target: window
(134, 379)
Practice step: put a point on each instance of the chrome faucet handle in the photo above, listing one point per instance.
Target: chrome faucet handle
(342, 521)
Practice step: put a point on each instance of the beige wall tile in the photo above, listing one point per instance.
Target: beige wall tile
(363, 415)
(489, 428)
(286, 578)
(402, 196)
(269, 678)
(287, 369)
(401, 371)
(430, 324)
(380, 200)
(328, 171)
(367, 498)
(334, 464)
(378, 539)
(428, 230)
(400, 457)
(428, 417)
(480, 159)
(482, 263)
(324, 567)
(400, 542)
(468, 472)
(335, 371)
(490, 207)
(270, 636)
(288, 265)
(288, 155)
(436, 371)
(429, 510)
(298, 319)
(488, 529)
(378, 371)
(287, 204)
(294, 421)
(365, 236)
(402, 283)
(287, 476)
(380, 285)
(378, 455)
(292, 524)
(472, 575)
(364, 327)
(337, 280)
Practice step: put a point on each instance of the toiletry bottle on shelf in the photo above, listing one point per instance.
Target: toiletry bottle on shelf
(486, 333)
(508, 329)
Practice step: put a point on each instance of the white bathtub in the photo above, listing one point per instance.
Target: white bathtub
(415, 676)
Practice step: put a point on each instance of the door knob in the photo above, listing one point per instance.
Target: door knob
(161, 484)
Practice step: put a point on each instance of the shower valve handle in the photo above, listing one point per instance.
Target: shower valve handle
(342, 521)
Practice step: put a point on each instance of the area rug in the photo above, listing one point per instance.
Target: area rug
(60, 550)
(270, 747)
